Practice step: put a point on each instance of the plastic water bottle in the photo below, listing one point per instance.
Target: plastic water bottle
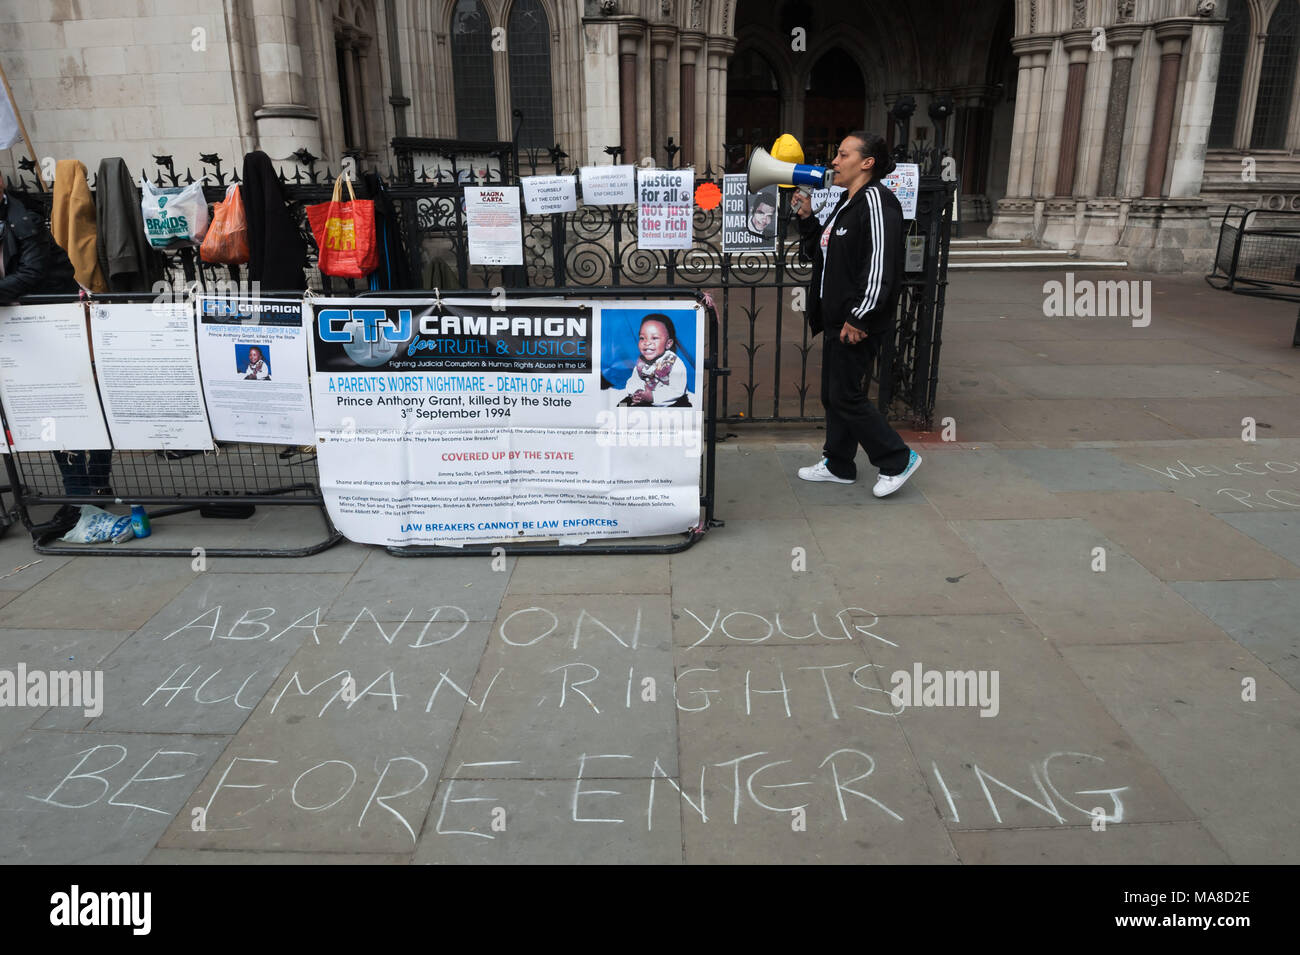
(140, 521)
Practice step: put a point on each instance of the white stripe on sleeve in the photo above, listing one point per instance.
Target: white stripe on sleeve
(875, 276)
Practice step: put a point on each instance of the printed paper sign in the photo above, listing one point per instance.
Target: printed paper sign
(608, 185)
(46, 381)
(665, 215)
(748, 219)
(546, 195)
(824, 201)
(494, 225)
(905, 182)
(253, 356)
(149, 376)
(464, 423)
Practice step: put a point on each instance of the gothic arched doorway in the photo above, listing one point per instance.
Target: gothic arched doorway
(753, 103)
(835, 104)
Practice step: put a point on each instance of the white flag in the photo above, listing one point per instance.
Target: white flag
(9, 134)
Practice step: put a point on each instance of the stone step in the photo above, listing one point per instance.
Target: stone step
(956, 264)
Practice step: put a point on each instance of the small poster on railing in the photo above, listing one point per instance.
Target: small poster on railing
(253, 354)
(608, 185)
(493, 225)
(748, 219)
(148, 373)
(46, 381)
(665, 216)
(905, 182)
(548, 195)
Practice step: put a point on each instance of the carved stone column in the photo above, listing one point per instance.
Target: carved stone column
(284, 121)
(661, 39)
(1077, 45)
(689, 47)
(629, 38)
(1122, 41)
(1171, 35)
(1033, 51)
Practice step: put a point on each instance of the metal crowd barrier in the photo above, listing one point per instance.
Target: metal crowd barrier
(172, 482)
(1258, 258)
(263, 474)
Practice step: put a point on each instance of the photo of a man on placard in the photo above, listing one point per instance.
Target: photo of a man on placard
(762, 213)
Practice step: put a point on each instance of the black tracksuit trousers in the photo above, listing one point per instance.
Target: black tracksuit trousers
(851, 418)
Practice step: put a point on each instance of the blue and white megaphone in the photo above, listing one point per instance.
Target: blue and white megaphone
(765, 170)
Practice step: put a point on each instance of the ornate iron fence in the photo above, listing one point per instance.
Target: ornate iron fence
(596, 247)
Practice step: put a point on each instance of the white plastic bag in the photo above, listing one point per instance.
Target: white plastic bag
(98, 525)
(173, 217)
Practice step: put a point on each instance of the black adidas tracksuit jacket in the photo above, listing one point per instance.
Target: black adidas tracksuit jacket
(857, 262)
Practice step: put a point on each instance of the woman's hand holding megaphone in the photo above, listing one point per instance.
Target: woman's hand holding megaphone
(801, 203)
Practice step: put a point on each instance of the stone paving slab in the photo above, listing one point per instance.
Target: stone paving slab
(1231, 477)
(565, 675)
(1033, 749)
(99, 593)
(1232, 761)
(202, 857)
(969, 383)
(1081, 470)
(1178, 843)
(1066, 420)
(52, 650)
(906, 560)
(202, 662)
(976, 419)
(350, 727)
(588, 821)
(1132, 381)
(20, 566)
(1221, 417)
(802, 737)
(1280, 533)
(1177, 539)
(624, 574)
(1262, 615)
(730, 586)
(1126, 352)
(759, 484)
(96, 798)
(990, 354)
(983, 485)
(1046, 567)
(391, 587)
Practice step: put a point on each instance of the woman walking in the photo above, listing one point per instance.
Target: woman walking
(856, 280)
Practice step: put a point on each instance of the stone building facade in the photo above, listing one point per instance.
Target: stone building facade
(1117, 127)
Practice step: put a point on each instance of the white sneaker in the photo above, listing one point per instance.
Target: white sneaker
(819, 472)
(887, 485)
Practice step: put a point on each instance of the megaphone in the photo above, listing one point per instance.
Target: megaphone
(765, 171)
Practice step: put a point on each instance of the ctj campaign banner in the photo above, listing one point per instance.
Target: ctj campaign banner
(454, 421)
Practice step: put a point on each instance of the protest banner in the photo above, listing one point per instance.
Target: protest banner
(665, 208)
(454, 421)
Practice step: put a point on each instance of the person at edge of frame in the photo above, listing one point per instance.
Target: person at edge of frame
(853, 297)
(31, 263)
